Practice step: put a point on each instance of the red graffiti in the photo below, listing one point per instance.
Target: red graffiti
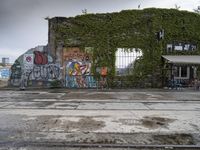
(40, 58)
(28, 59)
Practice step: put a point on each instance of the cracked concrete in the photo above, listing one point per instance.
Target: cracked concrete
(120, 117)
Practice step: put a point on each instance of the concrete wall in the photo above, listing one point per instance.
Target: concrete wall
(35, 68)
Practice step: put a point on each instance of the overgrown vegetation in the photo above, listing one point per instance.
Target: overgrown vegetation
(130, 29)
(55, 84)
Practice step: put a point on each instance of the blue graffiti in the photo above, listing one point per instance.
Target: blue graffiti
(91, 82)
(83, 81)
(4, 73)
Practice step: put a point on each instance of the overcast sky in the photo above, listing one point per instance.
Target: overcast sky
(22, 24)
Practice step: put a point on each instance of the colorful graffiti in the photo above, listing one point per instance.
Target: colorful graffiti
(34, 67)
(42, 69)
(4, 73)
(37, 68)
(40, 58)
(78, 74)
(78, 69)
(75, 54)
(87, 81)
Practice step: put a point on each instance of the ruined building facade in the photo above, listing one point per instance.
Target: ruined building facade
(130, 44)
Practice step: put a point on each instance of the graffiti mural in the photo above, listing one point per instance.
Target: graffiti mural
(4, 73)
(45, 72)
(42, 69)
(34, 68)
(87, 81)
(28, 61)
(78, 74)
(40, 58)
(16, 73)
(78, 69)
(75, 54)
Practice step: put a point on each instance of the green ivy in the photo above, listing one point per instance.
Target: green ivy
(130, 29)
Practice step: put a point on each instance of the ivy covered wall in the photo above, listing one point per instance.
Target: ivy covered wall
(126, 29)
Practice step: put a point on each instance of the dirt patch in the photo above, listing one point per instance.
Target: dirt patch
(51, 123)
(94, 138)
(148, 122)
(44, 123)
(156, 122)
(179, 139)
(3, 83)
(84, 124)
(132, 138)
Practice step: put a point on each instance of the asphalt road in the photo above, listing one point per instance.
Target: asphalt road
(36, 119)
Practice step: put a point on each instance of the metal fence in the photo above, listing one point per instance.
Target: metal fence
(125, 60)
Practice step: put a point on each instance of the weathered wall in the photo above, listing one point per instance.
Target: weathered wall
(78, 68)
(35, 68)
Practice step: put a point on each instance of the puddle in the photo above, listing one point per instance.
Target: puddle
(148, 122)
(156, 122)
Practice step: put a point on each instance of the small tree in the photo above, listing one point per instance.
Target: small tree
(197, 10)
(177, 7)
(84, 11)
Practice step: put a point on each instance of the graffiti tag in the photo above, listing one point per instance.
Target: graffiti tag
(45, 72)
(4, 73)
(40, 58)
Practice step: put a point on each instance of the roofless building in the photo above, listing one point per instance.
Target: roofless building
(136, 47)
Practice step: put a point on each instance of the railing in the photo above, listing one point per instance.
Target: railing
(182, 83)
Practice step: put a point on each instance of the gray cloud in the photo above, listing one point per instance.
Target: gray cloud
(22, 24)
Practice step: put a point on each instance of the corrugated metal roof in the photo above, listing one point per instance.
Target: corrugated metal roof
(182, 59)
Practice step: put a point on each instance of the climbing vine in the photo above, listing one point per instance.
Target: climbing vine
(130, 29)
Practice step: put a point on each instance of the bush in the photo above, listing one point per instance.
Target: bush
(55, 84)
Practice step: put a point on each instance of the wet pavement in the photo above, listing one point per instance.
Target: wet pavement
(91, 116)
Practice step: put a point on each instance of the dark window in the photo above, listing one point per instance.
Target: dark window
(184, 71)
